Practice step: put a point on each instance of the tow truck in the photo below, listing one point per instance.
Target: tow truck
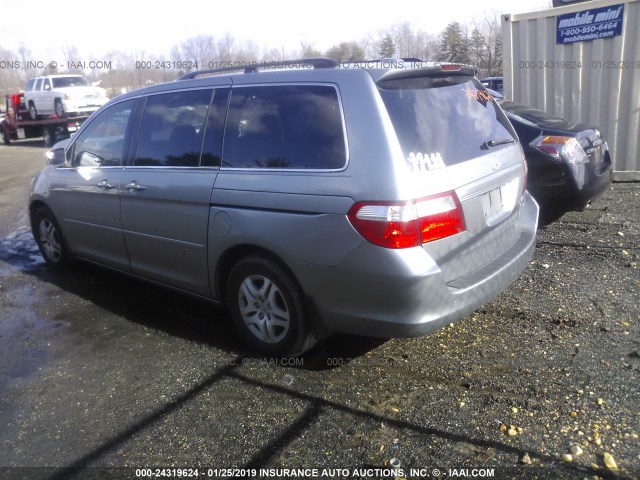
(18, 125)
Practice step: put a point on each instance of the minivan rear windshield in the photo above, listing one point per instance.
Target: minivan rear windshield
(449, 117)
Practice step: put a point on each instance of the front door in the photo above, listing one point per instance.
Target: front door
(86, 194)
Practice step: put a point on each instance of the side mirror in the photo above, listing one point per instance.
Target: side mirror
(56, 157)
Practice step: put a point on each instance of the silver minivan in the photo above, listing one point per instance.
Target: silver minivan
(311, 199)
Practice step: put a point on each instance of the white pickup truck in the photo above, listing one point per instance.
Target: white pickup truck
(62, 95)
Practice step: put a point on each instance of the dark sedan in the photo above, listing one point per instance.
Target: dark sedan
(569, 163)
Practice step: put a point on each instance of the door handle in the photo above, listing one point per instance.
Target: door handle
(104, 184)
(134, 187)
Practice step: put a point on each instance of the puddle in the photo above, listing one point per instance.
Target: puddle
(19, 251)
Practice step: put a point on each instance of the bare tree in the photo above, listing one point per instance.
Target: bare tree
(10, 73)
(25, 59)
(225, 48)
(199, 49)
(492, 32)
(308, 50)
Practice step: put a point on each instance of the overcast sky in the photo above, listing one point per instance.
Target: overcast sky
(96, 27)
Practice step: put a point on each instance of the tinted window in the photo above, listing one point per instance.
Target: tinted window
(172, 128)
(38, 84)
(30, 84)
(284, 127)
(101, 143)
(47, 84)
(61, 82)
(447, 117)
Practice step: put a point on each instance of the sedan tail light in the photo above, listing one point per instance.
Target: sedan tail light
(408, 224)
(561, 148)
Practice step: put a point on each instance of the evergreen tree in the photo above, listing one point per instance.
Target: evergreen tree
(454, 45)
(387, 47)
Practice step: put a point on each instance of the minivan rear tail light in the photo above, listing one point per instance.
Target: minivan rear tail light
(450, 67)
(408, 224)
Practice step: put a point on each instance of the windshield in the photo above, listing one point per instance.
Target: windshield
(62, 82)
(537, 117)
(450, 118)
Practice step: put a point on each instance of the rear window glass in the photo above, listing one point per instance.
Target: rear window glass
(284, 126)
(447, 119)
(532, 115)
(63, 82)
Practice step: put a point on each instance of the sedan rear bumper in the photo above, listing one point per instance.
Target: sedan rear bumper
(576, 191)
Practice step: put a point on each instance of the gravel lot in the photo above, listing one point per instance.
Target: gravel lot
(98, 370)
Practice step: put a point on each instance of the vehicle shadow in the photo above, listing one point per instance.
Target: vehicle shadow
(31, 143)
(166, 310)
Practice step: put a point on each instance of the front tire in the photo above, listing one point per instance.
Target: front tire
(49, 238)
(267, 307)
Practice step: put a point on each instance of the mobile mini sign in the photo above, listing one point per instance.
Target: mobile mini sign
(592, 24)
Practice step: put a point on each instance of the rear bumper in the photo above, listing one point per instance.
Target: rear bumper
(403, 293)
(574, 188)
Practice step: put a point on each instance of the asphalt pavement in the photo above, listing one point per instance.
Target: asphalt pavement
(103, 375)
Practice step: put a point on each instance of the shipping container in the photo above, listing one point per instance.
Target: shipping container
(581, 62)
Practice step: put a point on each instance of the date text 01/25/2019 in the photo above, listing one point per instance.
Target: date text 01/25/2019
(578, 64)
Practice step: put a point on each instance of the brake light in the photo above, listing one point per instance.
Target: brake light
(450, 67)
(561, 148)
(408, 224)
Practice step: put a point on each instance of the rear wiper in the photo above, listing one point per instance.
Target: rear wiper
(494, 143)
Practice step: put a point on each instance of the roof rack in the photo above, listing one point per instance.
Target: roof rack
(317, 62)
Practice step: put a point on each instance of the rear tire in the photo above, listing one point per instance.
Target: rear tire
(49, 238)
(267, 307)
(48, 137)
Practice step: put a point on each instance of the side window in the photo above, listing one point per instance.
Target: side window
(285, 126)
(38, 84)
(101, 144)
(172, 128)
(31, 84)
(47, 84)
